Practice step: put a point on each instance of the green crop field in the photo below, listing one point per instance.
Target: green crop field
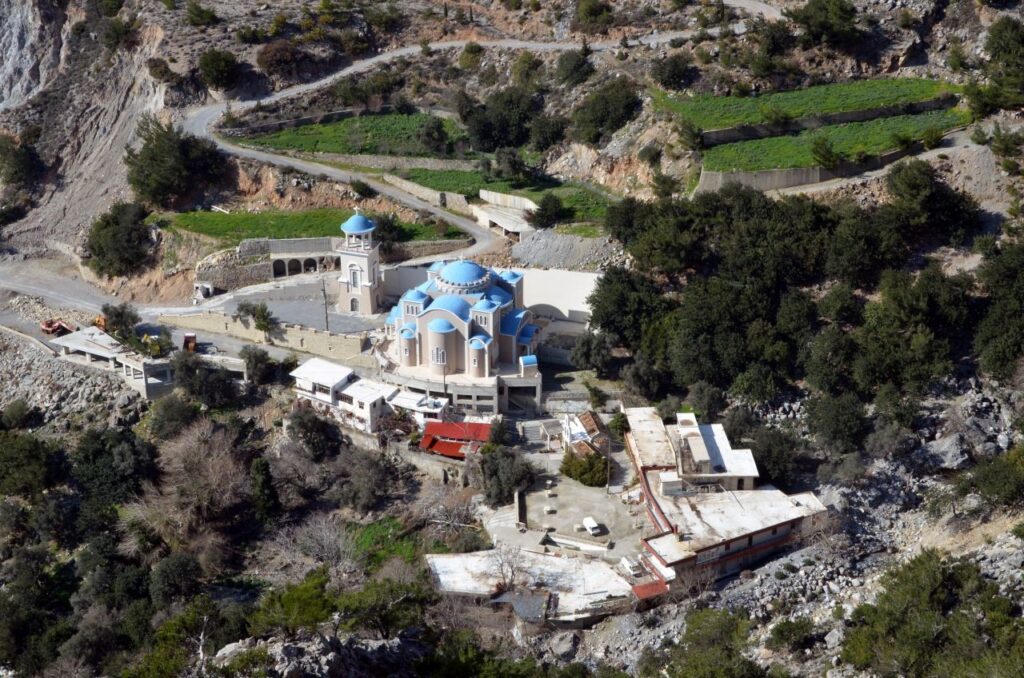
(386, 134)
(870, 138)
(230, 229)
(711, 112)
(585, 203)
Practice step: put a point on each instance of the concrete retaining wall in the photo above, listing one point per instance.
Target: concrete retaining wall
(730, 135)
(326, 344)
(453, 201)
(395, 162)
(773, 180)
(506, 200)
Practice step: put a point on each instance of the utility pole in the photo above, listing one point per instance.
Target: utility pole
(323, 290)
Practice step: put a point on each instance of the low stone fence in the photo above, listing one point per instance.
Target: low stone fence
(453, 201)
(394, 162)
(414, 249)
(506, 200)
(439, 468)
(776, 179)
(277, 125)
(729, 135)
(295, 337)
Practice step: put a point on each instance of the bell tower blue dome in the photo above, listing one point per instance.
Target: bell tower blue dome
(357, 224)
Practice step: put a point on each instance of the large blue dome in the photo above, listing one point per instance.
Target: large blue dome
(357, 224)
(453, 304)
(463, 273)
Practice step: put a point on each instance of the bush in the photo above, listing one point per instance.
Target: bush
(119, 241)
(837, 421)
(109, 468)
(20, 166)
(160, 71)
(16, 414)
(604, 111)
(829, 22)
(593, 352)
(281, 59)
(384, 606)
(171, 415)
(775, 452)
(932, 137)
(1018, 531)
(792, 634)
(840, 305)
(110, 8)
(574, 68)
(590, 469)
(675, 71)
(174, 578)
(548, 213)
(197, 15)
(593, 16)
(547, 130)
(121, 320)
(504, 473)
(363, 189)
(218, 68)
(259, 314)
(118, 34)
(28, 465)
(212, 386)
(320, 436)
(470, 57)
(170, 164)
(258, 365)
(295, 606)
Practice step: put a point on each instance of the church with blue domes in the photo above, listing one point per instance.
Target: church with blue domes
(466, 326)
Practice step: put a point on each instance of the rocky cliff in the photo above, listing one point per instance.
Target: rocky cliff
(30, 47)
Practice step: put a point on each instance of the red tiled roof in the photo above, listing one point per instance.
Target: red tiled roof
(458, 431)
(649, 589)
(445, 448)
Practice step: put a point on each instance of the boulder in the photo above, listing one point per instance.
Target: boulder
(564, 645)
(834, 638)
(949, 452)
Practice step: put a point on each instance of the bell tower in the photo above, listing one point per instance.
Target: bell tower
(360, 267)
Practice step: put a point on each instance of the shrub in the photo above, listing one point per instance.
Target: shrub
(213, 386)
(504, 473)
(16, 414)
(109, 7)
(295, 606)
(197, 15)
(547, 130)
(775, 452)
(384, 606)
(118, 34)
(218, 68)
(250, 35)
(573, 68)
(824, 154)
(159, 70)
(281, 58)
(840, 305)
(792, 634)
(593, 15)
(363, 189)
(170, 163)
(837, 421)
(174, 578)
(28, 465)
(259, 313)
(708, 400)
(119, 242)
(675, 71)
(590, 469)
(121, 320)
(593, 352)
(831, 22)
(258, 365)
(604, 111)
(170, 415)
(320, 436)
(19, 163)
(109, 467)
(1018, 531)
(470, 57)
(548, 213)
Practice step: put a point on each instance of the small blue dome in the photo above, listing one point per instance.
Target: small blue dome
(415, 295)
(357, 224)
(486, 305)
(463, 273)
(453, 304)
(511, 276)
(436, 266)
(440, 325)
(408, 331)
(479, 342)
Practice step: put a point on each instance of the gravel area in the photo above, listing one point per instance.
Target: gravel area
(547, 249)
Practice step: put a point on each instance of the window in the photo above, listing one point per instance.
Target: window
(775, 530)
(320, 388)
(354, 277)
(345, 398)
(474, 362)
(482, 320)
(739, 484)
(405, 351)
(439, 356)
(410, 309)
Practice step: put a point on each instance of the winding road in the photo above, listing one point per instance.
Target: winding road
(199, 121)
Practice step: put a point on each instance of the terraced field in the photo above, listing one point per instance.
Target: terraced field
(714, 112)
(230, 229)
(853, 139)
(585, 203)
(386, 134)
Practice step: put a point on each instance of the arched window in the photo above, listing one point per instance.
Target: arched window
(439, 356)
(354, 306)
(354, 275)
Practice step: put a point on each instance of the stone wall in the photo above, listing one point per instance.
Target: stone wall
(294, 337)
(453, 201)
(506, 200)
(229, 270)
(425, 248)
(439, 468)
(395, 162)
(730, 135)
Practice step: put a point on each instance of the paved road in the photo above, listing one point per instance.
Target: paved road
(198, 121)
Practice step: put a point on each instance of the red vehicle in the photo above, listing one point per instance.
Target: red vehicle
(189, 345)
(57, 326)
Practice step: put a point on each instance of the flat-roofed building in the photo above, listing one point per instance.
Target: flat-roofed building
(701, 497)
(336, 390)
